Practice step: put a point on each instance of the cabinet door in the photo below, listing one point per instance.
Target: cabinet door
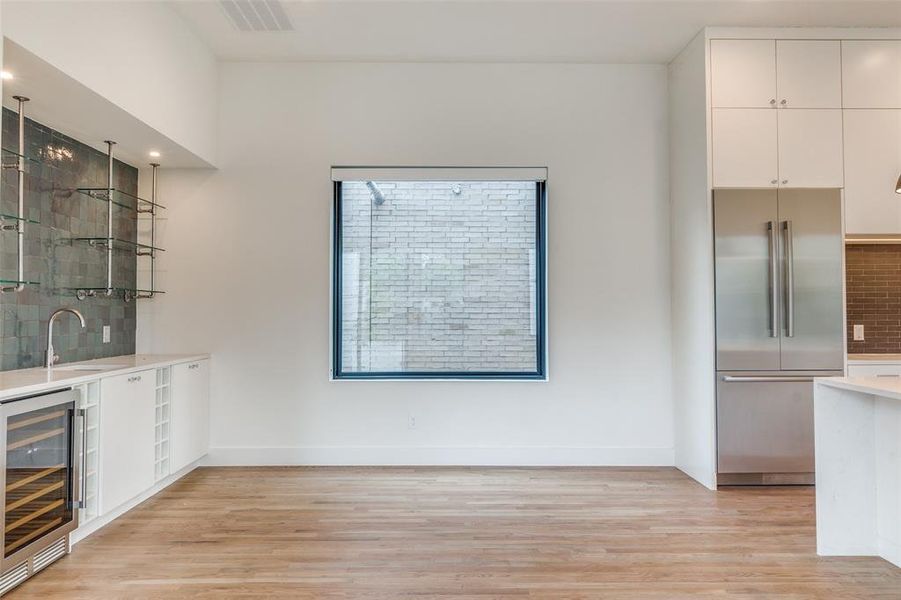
(871, 74)
(190, 419)
(743, 73)
(744, 148)
(872, 166)
(809, 74)
(810, 148)
(126, 437)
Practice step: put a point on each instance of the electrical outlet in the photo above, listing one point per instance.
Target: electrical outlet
(411, 422)
(858, 333)
(106, 334)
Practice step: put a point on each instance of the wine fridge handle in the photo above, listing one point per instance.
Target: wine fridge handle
(81, 457)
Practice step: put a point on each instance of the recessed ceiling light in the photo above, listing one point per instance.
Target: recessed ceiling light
(6, 75)
(154, 154)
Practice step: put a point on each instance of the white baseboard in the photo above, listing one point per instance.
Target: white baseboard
(440, 456)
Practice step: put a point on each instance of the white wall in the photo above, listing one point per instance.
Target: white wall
(692, 266)
(141, 56)
(247, 267)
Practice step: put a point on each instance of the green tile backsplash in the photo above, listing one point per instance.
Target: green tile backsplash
(55, 260)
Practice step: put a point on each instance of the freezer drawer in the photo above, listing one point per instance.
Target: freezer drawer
(765, 425)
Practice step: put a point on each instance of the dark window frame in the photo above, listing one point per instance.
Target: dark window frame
(540, 372)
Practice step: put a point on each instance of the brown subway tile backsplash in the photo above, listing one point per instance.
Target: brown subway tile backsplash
(874, 297)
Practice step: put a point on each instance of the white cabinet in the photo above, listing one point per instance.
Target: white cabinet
(769, 73)
(777, 118)
(743, 73)
(875, 370)
(744, 147)
(809, 74)
(190, 413)
(126, 437)
(872, 167)
(871, 74)
(89, 402)
(810, 148)
(760, 147)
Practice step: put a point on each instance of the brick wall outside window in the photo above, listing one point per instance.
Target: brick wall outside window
(440, 277)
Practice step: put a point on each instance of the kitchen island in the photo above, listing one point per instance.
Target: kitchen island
(858, 466)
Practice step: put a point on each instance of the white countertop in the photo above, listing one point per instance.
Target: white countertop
(24, 382)
(873, 358)
(887, 387)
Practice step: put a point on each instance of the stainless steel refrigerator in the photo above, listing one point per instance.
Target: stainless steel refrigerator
(779, 324)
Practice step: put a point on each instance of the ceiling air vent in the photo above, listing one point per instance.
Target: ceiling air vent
(257, 15)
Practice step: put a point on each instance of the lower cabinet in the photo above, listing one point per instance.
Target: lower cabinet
(190, 413)
(127, 417)
(875, 370)
(140, 428)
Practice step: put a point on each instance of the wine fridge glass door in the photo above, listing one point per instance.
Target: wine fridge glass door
(38, 470)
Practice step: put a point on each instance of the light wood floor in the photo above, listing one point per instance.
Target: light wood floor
(460, 533)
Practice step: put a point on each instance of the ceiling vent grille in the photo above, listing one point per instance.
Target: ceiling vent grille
(257, 15)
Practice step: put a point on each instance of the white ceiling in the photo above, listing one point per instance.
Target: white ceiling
(511, 30)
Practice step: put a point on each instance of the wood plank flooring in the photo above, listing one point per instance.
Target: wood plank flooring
(469, 533)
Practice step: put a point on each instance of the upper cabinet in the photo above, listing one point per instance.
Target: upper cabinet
(776, 74)
(871, 74)
(872, 166)
(762, 148)
(744, 148)
(743, 73)
(809, 74)
(810, 148)
(777, 119)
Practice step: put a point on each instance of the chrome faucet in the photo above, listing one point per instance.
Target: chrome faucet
(51, 355)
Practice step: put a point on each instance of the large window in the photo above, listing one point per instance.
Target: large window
(437, 277)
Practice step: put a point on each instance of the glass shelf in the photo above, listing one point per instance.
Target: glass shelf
(10, 159)
(6, 217)
(14, 282)
(120, 198)
(139, 249)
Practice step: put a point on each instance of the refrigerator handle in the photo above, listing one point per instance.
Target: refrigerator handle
(774, 289)
(789, 279)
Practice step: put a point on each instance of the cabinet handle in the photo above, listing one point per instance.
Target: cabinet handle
(784, 181)
(772, 102)
(194, 366)
(774, 181)
(784, 102)
(134, 379)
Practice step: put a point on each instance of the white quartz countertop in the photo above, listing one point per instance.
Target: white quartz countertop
(873, 358)
(24, 382)
(887, 387)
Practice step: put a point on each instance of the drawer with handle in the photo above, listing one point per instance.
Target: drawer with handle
(879, 370)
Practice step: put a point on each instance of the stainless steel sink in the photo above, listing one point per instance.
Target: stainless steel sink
(95, 368)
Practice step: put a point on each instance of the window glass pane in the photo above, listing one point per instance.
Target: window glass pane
(438, 277)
